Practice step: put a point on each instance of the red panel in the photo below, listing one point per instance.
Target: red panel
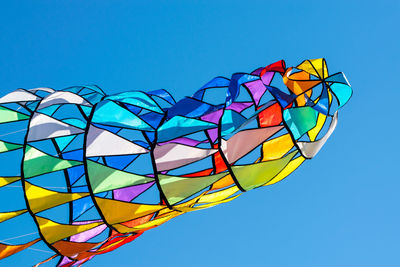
(272, 116)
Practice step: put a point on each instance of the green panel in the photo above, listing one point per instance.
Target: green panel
(300, 120)
(8, 115)
(177, 188)
(255, 175)
(36, 163)
(180, 126)
(4, 146)
(112, 114)
(103, 178)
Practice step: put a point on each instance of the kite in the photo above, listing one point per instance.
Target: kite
(92, 171)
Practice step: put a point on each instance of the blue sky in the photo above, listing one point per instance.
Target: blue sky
(339, 209)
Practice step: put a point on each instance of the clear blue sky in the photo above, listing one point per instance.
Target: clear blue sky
(339, 209)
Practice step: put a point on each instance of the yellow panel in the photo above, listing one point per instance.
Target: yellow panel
(178, 208)
(276, 148)
(8, 180)
(115, 211)
(218, 196)
(53, 231)
(316, 67)
(4, 216)
(312, 134)
(41, 199)
(287, 170)
(223, 182)
(188, 209)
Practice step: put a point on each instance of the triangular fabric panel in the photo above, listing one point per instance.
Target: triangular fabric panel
(104, 143)
(53, 231)
(117, 211)
(218, 196)
(177, 188)
(41, 199)
(36, 163)
(86, 110)
(171, 156)
(45, 127)
(8, 250)
(4, 216)
(180, 126)
(293, 165)
(300, 120)
(245, 141)
(4, 146)
(103, 178)
(255, 175)
(129, 193)
(72, 249)
(64, 141)
(316, 67)
(109, 113)
(147, 225)
(62, 98)
(138, 99)
(8, 180)
(18, 95)
(8, 115)
(313, 133)
(276, 148)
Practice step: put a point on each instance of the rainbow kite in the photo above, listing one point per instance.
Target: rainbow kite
(93, 172)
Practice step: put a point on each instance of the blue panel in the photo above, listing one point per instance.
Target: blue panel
(120, 162)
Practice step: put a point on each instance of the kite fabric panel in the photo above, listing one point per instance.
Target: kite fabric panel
(92, 171)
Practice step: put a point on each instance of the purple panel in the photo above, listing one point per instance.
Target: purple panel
(64, 261)
(267, 77)
(86, 222)
(213, 116)
(85, 236)
(183, 141)
(129, 193)
(257, 89)
(213, 133)
(239, 106)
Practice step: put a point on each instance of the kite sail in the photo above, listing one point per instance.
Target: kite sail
(92, 171)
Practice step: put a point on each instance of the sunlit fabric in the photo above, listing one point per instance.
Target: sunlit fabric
(96, 171)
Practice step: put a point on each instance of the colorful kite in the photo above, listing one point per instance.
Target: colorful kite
(94, 172)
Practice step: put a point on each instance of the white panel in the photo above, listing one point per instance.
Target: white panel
(18, 95)
(62, 98)
(171, 156)
(104, 143)
(44, 127)
(310, 149)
